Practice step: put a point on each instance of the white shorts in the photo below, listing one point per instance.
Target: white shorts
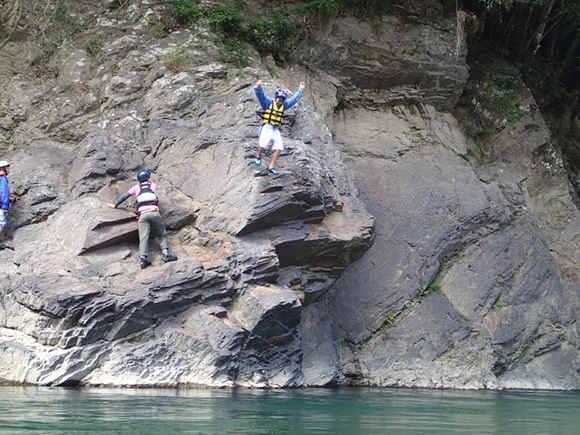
(2, 219)
(270, 134)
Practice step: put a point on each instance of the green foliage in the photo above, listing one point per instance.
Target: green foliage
(114, 5)
(93, 47)
(487, 135)
(59, 30)
(541, 40)
(392, 318)
(369, 8)
(560, 92)
(499, 304)
(272, 34)
(2, 138)
(186, 10)
(228, 24)
(501, 89)
(46, 56)
(368, 339)
(507, 104)
(158, 32)
(493, 4)
(463, 316)
(59, 14)
(225, 19)
(3, 33)
(436, 284)
(542, 71)
(234, 51)
(320, 10)
(39, 218)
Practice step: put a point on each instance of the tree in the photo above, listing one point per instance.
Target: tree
(543, 38)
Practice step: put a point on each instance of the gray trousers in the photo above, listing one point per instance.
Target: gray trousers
(146, 221)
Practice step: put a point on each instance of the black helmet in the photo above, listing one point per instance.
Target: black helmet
(143, 175)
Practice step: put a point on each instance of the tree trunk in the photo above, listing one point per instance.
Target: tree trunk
(552, 45)
(571, 48)
(524, 33)
(539, 33)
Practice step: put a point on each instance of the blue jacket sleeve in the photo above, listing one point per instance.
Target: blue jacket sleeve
(293, 99)
(262, 98)
(4, 193)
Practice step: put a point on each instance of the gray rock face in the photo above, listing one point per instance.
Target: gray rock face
(391, 62)
(76, 306)
(318, 276)
(503, 316)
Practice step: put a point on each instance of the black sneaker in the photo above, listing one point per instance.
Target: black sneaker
(144, 263)
(168, 258)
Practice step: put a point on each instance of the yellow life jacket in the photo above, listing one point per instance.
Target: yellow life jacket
(273, 115)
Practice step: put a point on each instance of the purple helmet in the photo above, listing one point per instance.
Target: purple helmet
(281, 94)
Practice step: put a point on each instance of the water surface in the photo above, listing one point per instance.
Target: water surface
(344, 411)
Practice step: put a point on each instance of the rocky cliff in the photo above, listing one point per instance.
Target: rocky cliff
(403, 243)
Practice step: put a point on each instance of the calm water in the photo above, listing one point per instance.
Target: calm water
(31, 410)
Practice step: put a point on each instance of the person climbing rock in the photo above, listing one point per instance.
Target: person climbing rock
(5, 198)
(149, 216)
(272, 120)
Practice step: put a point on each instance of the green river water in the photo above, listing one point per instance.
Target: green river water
(32, 410)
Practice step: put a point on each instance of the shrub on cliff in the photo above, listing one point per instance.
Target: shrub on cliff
(186, 10)
(275, 33)
(272, 34)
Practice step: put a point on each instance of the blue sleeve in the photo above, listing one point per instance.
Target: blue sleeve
(262, 98)
(293, 99)
(4, 193)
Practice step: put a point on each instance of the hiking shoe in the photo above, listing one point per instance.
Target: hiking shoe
(168, 258)
(272, 170)
(144, 263)
(258, 161)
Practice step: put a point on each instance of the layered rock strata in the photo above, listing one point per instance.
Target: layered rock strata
(391, 250)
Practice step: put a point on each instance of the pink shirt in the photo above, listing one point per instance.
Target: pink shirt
(135, 191)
